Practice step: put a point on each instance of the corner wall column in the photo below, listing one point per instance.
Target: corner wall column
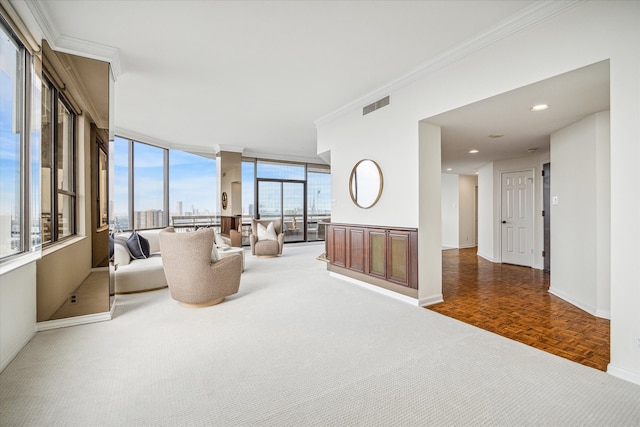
(429, 215)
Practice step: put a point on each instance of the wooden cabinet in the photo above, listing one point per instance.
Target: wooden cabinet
(386, 253)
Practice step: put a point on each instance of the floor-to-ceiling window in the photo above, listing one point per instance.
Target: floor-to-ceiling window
(154, 187)
(318, 201)
(192, 189)
(297, 193)
(119, 206)
(58, 168)
(149, 197)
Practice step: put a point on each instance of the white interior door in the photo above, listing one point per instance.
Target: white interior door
(517, 218)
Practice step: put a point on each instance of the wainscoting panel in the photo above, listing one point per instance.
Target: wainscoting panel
(382, 255)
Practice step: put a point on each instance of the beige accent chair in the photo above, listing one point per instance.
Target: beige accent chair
(193, 279)
(266, 247)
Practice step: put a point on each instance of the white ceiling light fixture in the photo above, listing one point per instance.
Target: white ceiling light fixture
(449, 169)
(539, 107)
(474, 151)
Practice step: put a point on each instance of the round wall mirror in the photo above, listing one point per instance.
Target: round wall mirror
(365, 184)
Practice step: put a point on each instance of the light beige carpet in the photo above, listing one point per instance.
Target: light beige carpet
(294, 348)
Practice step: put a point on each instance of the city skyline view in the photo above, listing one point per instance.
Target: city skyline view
(193, 187)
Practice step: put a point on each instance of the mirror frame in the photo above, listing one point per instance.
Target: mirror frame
(351, 184)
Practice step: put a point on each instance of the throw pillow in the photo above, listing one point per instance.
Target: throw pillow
(138, 246)
(215, 256)
(267, 233)
(220, 242)
(111, 246)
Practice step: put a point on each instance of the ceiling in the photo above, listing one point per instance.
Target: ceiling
(570, 97)
(256, 75)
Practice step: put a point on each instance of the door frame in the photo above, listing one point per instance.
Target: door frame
(532, 232)
(282, 182)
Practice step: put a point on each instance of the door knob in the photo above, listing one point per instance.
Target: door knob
(504, 222)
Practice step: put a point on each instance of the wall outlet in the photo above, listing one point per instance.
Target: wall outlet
(73, 298)
(636, 343)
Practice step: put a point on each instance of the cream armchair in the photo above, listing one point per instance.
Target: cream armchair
(266, 247)
(193, 279)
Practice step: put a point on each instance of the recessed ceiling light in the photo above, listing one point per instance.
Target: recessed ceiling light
(477, 173)
(496, 135)
(449, 169)
(473, 151)
(539, 107)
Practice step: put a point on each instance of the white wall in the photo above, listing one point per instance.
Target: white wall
(450, 211)
(430, 226)
(588, 33)
(375, 136)
(579, 222)
(486, 213)
(458, 211)
(17, 311)
(467, 212)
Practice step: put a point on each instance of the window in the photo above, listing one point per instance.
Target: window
(248, 189)
(19, 148)
(102, 180)
(278, 170)
(149, 186)
(58, 166)
(119, 214)
(318, 202)
(11, 122)
(192, 184)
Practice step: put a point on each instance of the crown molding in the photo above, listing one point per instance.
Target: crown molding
(136, 136)
(539, 12)
(284, 157)
(66, 44)
(228, 148)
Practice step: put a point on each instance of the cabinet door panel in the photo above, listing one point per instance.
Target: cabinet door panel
(398, 257)
(377, 262)
(339, 246)
(356, 249)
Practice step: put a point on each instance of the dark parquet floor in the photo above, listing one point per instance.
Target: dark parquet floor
(514, 302)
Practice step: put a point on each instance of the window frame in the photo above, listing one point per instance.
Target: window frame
(28, 186)
(55, 98)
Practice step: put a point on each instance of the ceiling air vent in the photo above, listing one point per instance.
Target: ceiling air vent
(375, 105)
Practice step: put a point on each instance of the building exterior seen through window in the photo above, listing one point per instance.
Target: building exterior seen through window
(141, 199)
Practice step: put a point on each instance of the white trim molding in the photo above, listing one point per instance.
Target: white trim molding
(63, 43)
(75, 321)
(430, 300)
(573, 301)
(539, 12)
(623, 374)
(377, 289)
(14, 352)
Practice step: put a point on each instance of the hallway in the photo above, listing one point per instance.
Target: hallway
(514, 302)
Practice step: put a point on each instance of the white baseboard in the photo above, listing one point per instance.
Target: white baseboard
(470, 245)
(433, 299)
(488, 258)
(14, 352)
(374, 288)
(448, 248)
(75, 321)
(605, 314)
(624, 374)
(573, 301)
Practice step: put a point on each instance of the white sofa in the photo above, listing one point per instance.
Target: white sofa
(138, 275)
